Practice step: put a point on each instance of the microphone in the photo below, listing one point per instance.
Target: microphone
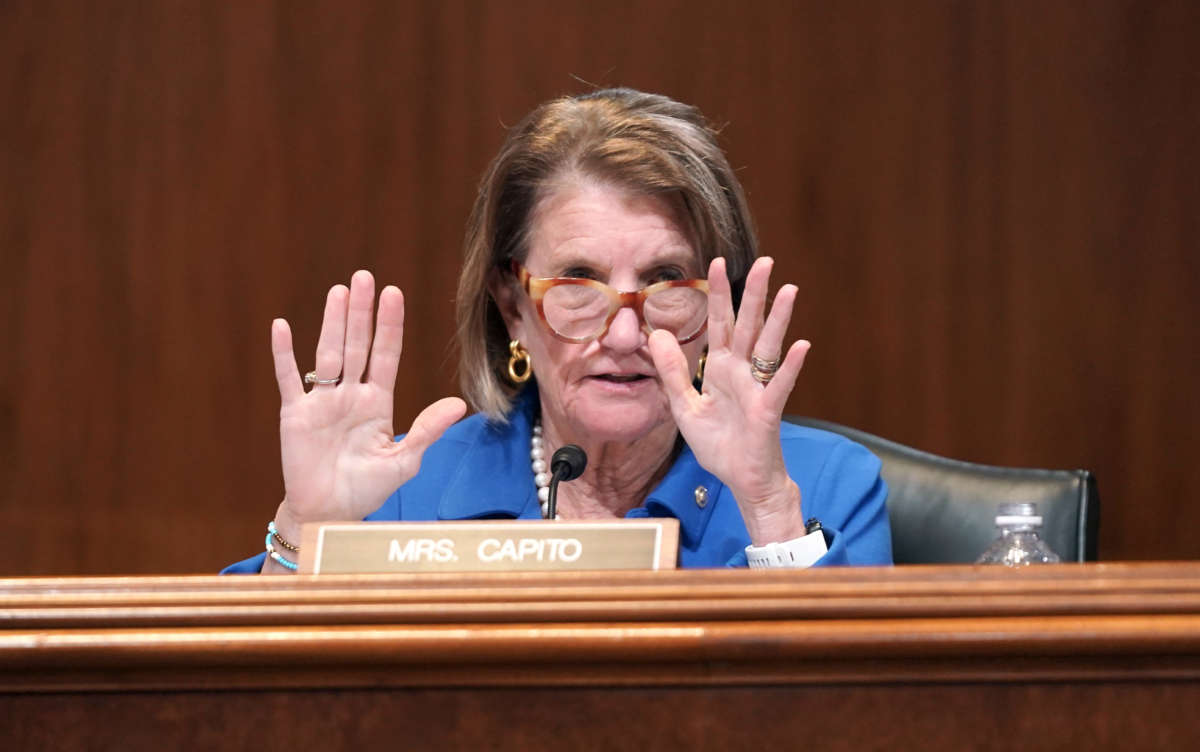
(566, 464)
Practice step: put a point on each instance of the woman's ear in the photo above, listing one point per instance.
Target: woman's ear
(503, 290)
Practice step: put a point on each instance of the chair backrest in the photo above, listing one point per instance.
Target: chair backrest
(942, 511)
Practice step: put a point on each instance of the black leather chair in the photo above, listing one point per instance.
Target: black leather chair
(943, 511)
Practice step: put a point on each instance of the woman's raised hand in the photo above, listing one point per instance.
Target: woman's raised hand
(340, 460)
(732, 424)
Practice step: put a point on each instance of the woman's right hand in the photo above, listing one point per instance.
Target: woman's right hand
(340, 459)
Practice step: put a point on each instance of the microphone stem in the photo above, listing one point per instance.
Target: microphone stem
(552, 497)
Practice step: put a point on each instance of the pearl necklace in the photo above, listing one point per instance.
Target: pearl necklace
(541, 474)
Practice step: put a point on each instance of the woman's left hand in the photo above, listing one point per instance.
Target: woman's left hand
(732, 424)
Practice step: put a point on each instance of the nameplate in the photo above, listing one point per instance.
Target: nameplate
(488, 546)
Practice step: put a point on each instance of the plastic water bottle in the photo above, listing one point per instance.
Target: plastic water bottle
(1020, 542)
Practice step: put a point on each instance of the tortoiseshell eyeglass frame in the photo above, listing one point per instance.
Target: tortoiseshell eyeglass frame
(536, 288)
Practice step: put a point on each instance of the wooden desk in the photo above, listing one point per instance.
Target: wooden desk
(1102, 655)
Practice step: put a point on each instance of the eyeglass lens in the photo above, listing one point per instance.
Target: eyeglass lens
(578, 311)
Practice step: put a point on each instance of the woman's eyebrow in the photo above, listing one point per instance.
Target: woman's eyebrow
(572, 257)
(683, 257)
(680, 256)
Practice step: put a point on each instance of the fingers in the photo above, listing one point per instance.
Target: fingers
(332, 341)
(752, 336)
(389, 339)
(347, 344)
(776, 393)
(750, 313)
(769, 344)
(720, 306)
(358, 326)
(672, 367)
(431, 424)
(286, 373)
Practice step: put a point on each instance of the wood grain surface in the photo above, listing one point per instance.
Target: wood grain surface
(1102, 655)
(914, 624)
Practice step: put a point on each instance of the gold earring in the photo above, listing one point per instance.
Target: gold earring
(703, 362)
(519, 355)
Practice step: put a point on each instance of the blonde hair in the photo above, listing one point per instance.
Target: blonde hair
(646, 143)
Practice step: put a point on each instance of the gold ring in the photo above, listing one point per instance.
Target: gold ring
(763, 370)
(310, 378)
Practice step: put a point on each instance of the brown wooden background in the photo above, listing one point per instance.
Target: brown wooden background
(990, 208)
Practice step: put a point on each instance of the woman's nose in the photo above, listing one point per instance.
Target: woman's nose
(625, 332)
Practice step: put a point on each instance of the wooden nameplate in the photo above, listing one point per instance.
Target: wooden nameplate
(488, 546)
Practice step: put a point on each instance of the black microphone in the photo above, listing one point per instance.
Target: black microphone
(566, 464)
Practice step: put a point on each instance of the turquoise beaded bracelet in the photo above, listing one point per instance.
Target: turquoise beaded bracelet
(275, 555)
(282, 541)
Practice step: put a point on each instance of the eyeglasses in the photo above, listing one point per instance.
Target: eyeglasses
(580, 310)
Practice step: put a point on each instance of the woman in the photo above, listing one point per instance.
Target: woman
(611, 191)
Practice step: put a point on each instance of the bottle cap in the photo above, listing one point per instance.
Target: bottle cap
(1017, 514)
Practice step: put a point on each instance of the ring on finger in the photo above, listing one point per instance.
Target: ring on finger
(763, 370)
(311, 379)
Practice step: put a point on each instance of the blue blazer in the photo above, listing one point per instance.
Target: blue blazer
(479, 469)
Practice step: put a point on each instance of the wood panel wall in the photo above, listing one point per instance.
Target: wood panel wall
(990, 209)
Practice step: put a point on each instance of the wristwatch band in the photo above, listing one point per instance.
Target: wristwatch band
(796, 553)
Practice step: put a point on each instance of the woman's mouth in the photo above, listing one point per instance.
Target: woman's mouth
(621, 378)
